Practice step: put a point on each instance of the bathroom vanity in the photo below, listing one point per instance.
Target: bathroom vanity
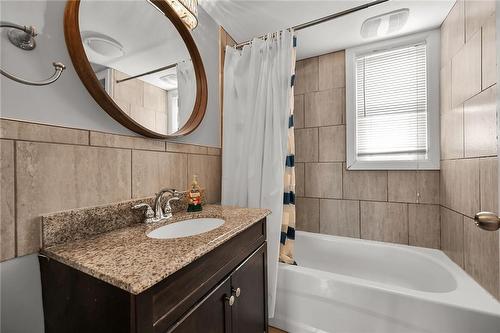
(123, 281)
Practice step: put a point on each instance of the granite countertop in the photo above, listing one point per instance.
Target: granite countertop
(128, 259)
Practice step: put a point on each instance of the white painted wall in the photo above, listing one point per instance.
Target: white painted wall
(67, 103)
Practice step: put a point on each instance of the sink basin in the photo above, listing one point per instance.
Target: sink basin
(185, 228)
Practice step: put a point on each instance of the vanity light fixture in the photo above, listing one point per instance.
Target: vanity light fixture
(385, 24)
(187, 10)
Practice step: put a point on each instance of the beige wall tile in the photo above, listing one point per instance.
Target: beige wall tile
(161, 122)
(324, 108)
(307, 211)
(332, 70)
(445, 182)
(323, 180)
(155, 98)
(332, 144)
(52, 177)
(488, 168)
(208, 170)
(143, 116)
(452, 142)
(152, 171)
(365, 185)
(123, 105)
(122, 141)
(384, 221)
(306, 75)
(477, 13)
(424, 225)
(445, 87)
(214, 151)
(452, 235)
(7, 192)
(17, 130)
(306, 145)
(489, 53)
(481, 256)
(453, 32)
(468, 175)
(299, 179)
(466, 71)
(339, 217)
(130, 91)
(298, 111)
(460, 185)
(480, 124)
(185, 148)
(428, 187)
(452, 133)
(402, 186)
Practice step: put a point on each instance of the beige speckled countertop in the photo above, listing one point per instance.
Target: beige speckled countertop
(128, 259)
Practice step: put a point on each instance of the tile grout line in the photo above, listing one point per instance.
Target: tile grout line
(15, 199)
(131, 174)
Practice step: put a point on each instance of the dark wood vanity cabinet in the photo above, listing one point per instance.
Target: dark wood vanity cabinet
(224, 291)
(236, 305)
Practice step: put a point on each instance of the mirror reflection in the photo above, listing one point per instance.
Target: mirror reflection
(141, 61)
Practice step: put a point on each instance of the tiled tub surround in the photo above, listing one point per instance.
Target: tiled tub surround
(47, 168)
(392, 206)
(422, 208)
(127, 258)
(469, 164)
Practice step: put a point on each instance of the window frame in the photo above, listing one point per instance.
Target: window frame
(432, 40)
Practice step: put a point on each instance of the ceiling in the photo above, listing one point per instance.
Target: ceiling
(245, 19)
(149, 40)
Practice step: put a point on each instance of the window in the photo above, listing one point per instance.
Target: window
(392, 104)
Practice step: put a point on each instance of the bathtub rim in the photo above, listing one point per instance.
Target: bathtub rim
(467, 288)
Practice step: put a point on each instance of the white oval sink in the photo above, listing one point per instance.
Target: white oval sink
(185, 228)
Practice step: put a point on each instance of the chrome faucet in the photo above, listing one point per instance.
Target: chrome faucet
(159, 214)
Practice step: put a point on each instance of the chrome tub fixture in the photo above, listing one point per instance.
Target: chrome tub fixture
(487, 221)
(23, 37)
(159, 214)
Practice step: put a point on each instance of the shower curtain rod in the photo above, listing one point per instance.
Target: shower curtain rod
(147, 73)
(322, 19)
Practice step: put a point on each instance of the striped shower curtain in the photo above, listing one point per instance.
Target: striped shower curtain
(288, 221)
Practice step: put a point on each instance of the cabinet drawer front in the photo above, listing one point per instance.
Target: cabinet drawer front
(173, 297)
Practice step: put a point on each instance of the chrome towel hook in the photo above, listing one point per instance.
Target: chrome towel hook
(24, 38)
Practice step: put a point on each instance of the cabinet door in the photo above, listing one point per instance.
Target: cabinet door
(249, 312)
(211, 315)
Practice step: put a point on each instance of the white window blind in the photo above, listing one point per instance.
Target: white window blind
(391, 104)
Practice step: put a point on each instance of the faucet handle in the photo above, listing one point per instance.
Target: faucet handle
(149, 213)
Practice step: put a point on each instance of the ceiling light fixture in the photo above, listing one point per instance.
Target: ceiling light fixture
(103, 45)
(187, 10)
(385, 24)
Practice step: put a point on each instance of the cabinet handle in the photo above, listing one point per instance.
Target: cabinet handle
(236, 291)
(230, 300)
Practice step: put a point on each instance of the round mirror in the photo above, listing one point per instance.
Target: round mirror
(140, 63)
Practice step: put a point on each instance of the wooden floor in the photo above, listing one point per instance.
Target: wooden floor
(275, 330)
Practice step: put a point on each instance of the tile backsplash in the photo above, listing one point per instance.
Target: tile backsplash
(47, 168)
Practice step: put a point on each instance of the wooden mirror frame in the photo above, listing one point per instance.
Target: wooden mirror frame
(86, 73)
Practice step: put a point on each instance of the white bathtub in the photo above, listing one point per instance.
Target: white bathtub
(352, 285)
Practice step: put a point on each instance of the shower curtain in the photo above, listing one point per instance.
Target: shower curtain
(186, 90)
(258, 102)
